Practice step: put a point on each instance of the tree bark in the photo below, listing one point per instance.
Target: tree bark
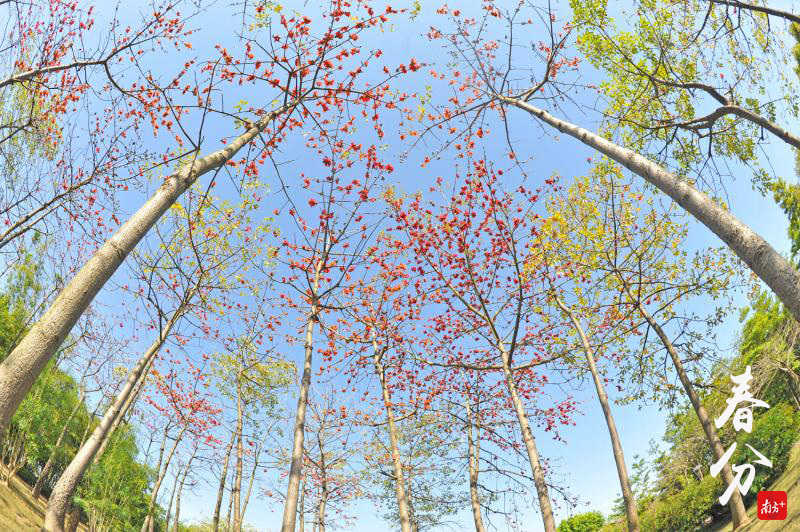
(399, 481)
(237, 482)
(24, 364)
(530, 444)
(222, 479)
(51, 459)
(69, 480)
(296, 469)
(631, 513)
(738, 512)
(149, 521)
(777, 272)
(473, 450)
(180, 490)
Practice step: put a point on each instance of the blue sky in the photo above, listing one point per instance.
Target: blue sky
(584, 461)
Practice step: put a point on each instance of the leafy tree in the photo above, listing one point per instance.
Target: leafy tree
(585, 522)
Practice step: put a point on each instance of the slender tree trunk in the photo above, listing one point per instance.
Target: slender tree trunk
(252, 478)
(172, 497)
(120, 417)
(69, 480)
(222, 479)
(399, 481)
(738, 512)
(323, 500)
(631, 513)
(473, 449)
(149, 521)
(180, 490)
(237, 482)
(769, 265)
(530, 444)
(51, 459)
(24, 364)
(15, 461)
(296, 469)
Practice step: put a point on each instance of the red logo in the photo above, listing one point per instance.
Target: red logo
(772, 505)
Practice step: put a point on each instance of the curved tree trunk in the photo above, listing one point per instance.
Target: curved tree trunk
(222, 479)
(769, 265)
(399, 481)
(180, 490)
(24, 364)
(738, 512)
(631, 513)
(61, 497)
(473, 450)
(149, 521)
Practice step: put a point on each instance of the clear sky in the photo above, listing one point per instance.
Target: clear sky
(584, 461)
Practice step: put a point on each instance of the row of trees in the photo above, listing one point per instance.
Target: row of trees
(457, 316)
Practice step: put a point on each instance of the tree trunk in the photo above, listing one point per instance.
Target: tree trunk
(69, 480)
(296, 469)
(120, 417)
(222, 479)
(24, 364)
(631, 513)
(237, 482)
(473, 450)
(37, 488)
(738, 512)
(149, 521)
(302, 526)
(769, 265)
(252, 478)
(180, 490)
(530, 444)
(399, 481)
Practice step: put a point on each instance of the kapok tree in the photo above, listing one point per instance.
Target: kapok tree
(492, 85)
(331, 215)
(309, 75)
(469, 256)
(206, 246)
(631, 250)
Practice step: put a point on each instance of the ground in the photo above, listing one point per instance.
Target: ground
(789, 482)
(18, 510)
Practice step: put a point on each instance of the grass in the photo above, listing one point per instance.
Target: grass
(789, 482)
(18, 509)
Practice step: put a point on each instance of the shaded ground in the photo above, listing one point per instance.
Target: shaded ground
(18, 510)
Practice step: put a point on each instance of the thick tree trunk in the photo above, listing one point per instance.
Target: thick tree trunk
(222, 479)
(777, 272)
(473, 450)
(237, 482)
(738, 512)
(631, 513)
(69, 480)
(399, 481)
(51, 459)
(296, 469)
(530, 444)
(24, 364)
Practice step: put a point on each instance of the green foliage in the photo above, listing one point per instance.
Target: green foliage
(685, 509)
(585, 522)
(773, 435)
